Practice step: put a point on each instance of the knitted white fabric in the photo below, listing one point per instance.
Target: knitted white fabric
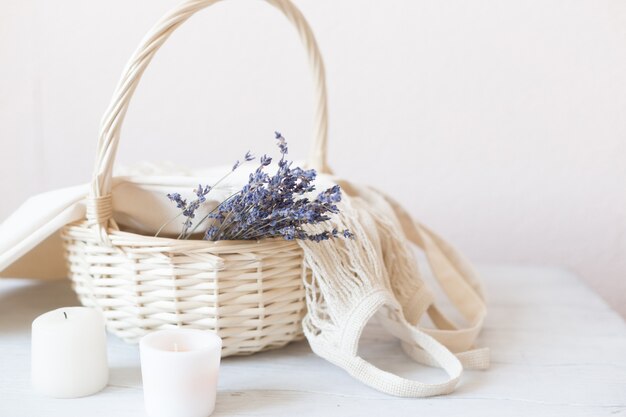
(377, 272)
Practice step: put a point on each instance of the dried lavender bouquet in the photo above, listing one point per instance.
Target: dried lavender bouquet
(267, 206)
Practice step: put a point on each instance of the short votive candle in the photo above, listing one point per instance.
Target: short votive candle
(69, 353)
(179, 368)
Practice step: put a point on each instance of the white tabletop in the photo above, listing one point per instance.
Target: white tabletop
(557, 350)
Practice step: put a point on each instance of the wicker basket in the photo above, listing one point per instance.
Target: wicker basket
(249, 292)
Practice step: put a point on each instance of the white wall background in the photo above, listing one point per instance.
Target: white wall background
(502, 124)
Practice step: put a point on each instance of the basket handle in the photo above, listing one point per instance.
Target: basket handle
(99, 206)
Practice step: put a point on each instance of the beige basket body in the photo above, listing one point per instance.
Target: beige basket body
(248, 292)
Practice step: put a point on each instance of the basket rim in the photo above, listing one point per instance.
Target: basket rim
(117, 235)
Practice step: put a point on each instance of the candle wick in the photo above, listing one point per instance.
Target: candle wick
(65, 314)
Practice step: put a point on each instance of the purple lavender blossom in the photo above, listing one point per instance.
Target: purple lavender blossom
(176, 198)
(188, 210)
(265, 160)
(268, 205)
(282, 143)
(201, 192)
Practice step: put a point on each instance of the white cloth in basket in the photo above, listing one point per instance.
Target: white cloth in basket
(29, 242)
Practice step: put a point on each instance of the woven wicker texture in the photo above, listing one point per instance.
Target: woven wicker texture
(249, 292)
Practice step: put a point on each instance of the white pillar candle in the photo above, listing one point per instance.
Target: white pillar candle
(68, 353)
(179, 368)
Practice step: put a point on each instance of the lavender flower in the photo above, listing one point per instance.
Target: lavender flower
(201, 192)
(180, 202)
(265, 160)
(247, 158)
(268, 205)
(282, 143)
(188, 209)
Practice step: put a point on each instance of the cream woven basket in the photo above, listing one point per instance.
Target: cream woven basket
(248, 292)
